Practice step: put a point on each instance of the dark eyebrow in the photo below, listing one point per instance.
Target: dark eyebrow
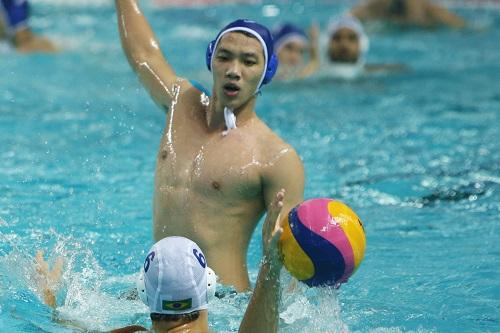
(245, 54)
(250, 54)
(222, 50)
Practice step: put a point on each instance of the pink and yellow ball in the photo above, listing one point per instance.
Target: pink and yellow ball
(323, 242)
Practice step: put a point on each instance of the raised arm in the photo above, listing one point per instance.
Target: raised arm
(144, 55)
(47, 280)
(314, 60)
(262, 313)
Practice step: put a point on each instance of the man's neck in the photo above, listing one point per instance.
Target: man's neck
(200, 325)
(215, 114)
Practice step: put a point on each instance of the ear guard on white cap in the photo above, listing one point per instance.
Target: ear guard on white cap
(350, 22)
(211, 285)
(141, 287)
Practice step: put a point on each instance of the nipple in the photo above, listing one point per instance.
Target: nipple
(230, 120)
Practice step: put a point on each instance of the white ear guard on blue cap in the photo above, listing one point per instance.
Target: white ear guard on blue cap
(263, 36)
(211, 285)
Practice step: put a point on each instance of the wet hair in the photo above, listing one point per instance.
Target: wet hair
(187, 317)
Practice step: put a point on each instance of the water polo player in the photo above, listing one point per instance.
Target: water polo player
(348, 45)
(176, 284)
(291, 44)
(218, 165)
(415, 13)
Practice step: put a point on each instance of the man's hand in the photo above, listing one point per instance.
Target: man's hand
(272, 230)
(314, 37)
(48, 280)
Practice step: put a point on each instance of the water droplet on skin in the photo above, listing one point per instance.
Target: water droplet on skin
(204, 99)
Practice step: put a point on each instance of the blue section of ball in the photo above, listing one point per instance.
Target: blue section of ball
(329, 264)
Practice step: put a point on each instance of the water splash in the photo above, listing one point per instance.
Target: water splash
(305, 310)
(84, 304)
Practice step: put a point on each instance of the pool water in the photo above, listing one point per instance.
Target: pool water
(415, 154)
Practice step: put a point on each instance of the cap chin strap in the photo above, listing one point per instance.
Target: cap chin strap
(211, 285)
(230, 120)
(141, 288)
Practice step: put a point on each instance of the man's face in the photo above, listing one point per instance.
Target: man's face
(292, 53)
(238, 66)
(344, 46)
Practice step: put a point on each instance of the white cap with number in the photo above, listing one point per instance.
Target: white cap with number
(175, 278)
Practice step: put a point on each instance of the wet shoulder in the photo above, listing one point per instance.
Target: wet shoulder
(187, 95)
(271, 145)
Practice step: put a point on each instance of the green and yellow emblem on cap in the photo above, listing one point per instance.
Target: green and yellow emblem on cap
(181, 305)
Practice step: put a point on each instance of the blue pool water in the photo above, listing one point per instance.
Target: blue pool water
(415, 154)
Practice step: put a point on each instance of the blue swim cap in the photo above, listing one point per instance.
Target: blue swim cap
(261, 33)
(288, 32)
(15, 13)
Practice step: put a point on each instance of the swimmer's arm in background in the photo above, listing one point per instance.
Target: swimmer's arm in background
(3, 33)
(262, 313)
(370, 9)
(144, 54)
(27, 41)
(387, 68)
(442, 16)
(314, 60)
(428, 15)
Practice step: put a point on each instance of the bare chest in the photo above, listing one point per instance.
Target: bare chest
(210, 165)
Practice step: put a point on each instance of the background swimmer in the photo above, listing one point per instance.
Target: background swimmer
(420, 13)
(347, 48)
(212, 188)
(14, 15)
(291, 44)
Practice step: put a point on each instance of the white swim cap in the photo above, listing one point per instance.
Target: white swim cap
(350, 22)
(175, 277)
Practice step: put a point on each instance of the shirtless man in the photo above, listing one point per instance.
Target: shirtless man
(218, 165)
(421, 13)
